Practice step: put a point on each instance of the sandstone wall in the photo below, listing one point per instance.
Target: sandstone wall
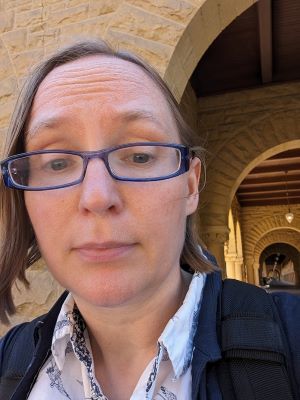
(36, 301)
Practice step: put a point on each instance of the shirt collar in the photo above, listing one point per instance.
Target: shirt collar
(178, 335)
(63, 331)
(176, 340)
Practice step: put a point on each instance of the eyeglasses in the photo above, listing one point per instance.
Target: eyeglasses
(55, 169)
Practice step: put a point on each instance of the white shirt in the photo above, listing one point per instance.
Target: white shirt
(69, 371)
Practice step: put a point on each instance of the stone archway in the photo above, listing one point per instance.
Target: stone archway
(239, 155)
(272, 226)
(271, 231)
(235, 158)
(290, 251)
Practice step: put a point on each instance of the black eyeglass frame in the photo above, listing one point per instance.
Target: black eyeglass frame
(186, 155)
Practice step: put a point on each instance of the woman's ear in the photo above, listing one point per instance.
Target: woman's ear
(193, 185)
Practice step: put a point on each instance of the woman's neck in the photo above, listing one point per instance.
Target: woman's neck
(124, 339)
(122, 332)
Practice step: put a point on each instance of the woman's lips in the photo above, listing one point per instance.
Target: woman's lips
(103, 252)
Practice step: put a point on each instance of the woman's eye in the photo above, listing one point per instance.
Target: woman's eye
(141, 158)
(58, 165)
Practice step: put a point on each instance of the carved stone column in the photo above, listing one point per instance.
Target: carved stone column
(249, 262)
(230, 268)
(256, 273)
(215, 238)
(238, 267)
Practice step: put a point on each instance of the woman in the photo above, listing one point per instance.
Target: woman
(103, 184)
(101, 180)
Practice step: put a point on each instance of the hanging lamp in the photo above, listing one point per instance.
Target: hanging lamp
(289, 216)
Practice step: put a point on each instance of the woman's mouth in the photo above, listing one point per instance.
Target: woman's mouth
(103, 252)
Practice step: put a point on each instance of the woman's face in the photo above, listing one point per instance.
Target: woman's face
(109, 242)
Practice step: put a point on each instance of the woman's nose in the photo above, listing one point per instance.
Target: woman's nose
(99, 191)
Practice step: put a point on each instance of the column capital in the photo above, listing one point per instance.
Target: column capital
(215, 234)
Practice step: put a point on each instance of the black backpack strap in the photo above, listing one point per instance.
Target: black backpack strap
(23, 351)
(16, 350)
(255, 353)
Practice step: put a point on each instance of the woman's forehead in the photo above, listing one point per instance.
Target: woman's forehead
(102, 74)
(106, 79)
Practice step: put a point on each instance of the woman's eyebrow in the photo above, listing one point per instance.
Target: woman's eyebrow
(48, 123)
(137, 114)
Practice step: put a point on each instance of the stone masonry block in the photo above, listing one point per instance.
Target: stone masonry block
(156, 54)
(47, 3)
(5, 111)
(73, 3)
(176, 78)
(189, 50)
(198, 3)
(37, 3)
(139, 23)
(26, 60)
(14, 4)
(227, 12)
(210, 21)
(8, 88)
(94, 27)
(68, 16)
(44, 290)
(242, 5)
(176, 10)
(41, 27)
(25, 7)
(103, 7)
(2, 136)
(51, 48)
(15, 41)
(28, 18)
(6, 21)
(52, 7)
(195, 41)
(40, 39)
(6, 66)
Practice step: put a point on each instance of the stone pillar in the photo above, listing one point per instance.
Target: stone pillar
(238, 267)
(249, 262)
(256, 273)
(234, 267)
(215, 238)
(230, 268)
(264, 270)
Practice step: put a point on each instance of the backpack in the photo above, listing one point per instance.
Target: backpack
(256, 359)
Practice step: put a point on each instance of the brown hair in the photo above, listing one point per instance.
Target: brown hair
(19, 248)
